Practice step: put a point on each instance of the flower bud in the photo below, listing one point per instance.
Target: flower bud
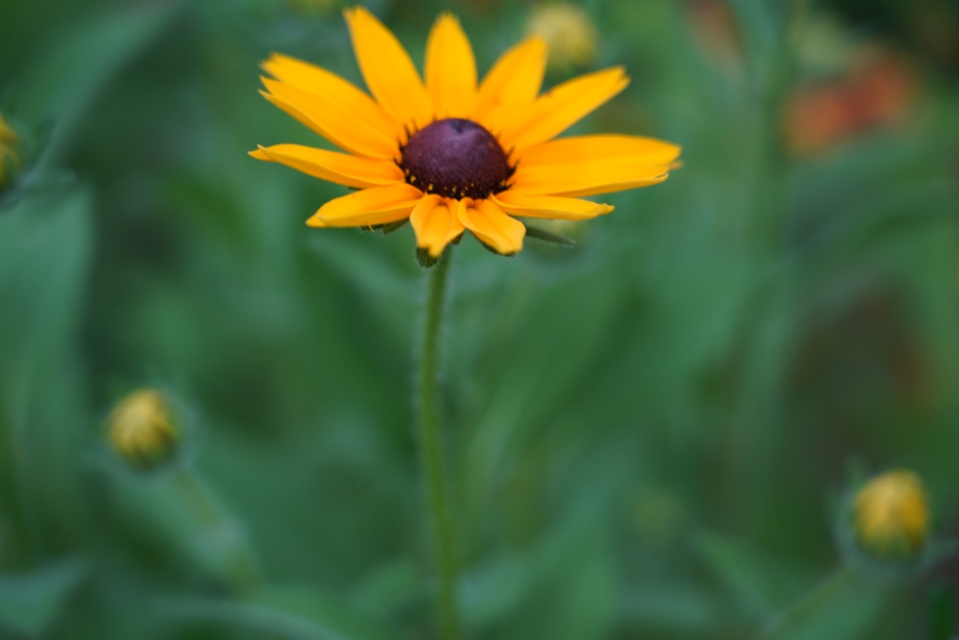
(568, 32)
(891, 516)
(142, 429)
(8, 155)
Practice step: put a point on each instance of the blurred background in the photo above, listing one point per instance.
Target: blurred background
(648, 433)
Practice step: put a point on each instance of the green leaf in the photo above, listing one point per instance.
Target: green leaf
(45, 245)
(295, 613)
(674, 608)
(843, 607)
(30, 603)
(177, 509)
(66, 78)
(942, 614)
(562, 587)
(756, 583)
(391, 586)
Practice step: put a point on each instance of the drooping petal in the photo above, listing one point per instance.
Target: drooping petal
(331, 88)
(389, 73)
(331, 120)
(634, 149)
(378, 205)
(512, 84)
(450, 69)
(340, 168)
(436, 224)
(560, 108)
(586, 178)
(488, 223)
(522, 204)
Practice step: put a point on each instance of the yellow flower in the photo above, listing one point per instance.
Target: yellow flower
(568, 32)
(892, 515)
(141, 429)
(7, 141)
(453, 153)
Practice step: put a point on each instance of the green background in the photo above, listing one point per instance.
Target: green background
(647, 432)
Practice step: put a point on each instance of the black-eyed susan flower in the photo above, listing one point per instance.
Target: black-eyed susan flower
(452, 153)
(8, 140)
(142, 429)
(567, 30)
(891, 515)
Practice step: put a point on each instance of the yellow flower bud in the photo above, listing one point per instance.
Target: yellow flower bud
(142, 430)
(567, 30)
(8, 139)
(891, 515)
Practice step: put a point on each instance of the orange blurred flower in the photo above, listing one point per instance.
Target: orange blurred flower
(878, 91)
(715, 30)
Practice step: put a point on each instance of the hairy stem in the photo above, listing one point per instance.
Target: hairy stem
(442, 531)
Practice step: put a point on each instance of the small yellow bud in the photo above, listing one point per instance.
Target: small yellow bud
(8, 139)
(891, 515)
(141, 429)
(567, 30)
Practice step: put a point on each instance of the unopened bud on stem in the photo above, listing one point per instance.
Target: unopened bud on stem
(143, 430)
(891, 515)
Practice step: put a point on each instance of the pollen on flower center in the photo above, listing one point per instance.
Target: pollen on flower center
(456, 158)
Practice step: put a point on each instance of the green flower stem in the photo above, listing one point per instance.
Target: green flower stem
(223, 537)
(431, 444)
(822, 594)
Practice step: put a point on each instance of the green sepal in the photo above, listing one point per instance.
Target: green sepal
(390, 227)
(546, 236)
(495, 252)
(424, 258)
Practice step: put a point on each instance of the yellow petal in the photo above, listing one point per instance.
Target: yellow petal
(560, 108)
(586, 178)
(522, 204)
(378, 205)
(388, 70)
(331, 120)
(330, 87)
(436, 224)
(493, 227)
(336, 167)
(512, 84)
(634, 149)
(450, 69)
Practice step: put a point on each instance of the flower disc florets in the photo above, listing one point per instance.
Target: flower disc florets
(456, 158)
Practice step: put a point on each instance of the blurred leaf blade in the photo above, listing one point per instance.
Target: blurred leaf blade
(64, 80)
(295, 613)
(30, 603)
(755, 583)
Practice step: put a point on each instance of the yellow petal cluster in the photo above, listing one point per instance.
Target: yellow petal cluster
(892, 515)
(549, 177)
(141, 429)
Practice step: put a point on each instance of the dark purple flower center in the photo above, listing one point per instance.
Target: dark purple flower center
(456, 158)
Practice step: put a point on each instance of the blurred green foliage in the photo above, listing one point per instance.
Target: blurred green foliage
(644, 429)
